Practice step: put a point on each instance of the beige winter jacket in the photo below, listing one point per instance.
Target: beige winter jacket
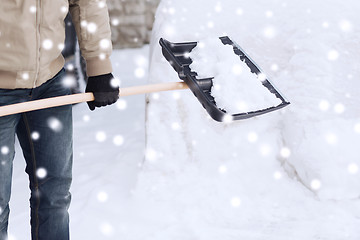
(32, 37)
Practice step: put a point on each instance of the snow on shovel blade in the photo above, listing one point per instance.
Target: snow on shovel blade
(177, 54)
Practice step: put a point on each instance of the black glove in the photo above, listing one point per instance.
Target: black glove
(104, 90)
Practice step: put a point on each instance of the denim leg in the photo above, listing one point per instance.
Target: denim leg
(46, 140)
(7, 151)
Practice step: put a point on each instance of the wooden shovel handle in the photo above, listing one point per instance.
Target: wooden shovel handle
(86, 97)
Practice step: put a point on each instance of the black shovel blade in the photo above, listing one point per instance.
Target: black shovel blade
(177, 55)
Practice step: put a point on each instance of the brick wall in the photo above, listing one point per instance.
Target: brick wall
(131, 21)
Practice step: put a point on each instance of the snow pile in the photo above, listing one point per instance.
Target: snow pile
(272, 177)
(235, 88)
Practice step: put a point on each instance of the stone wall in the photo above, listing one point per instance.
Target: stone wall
(131, 21)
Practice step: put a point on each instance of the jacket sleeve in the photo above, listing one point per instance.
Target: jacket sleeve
(91, 21)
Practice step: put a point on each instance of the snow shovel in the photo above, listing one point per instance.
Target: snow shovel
(177, 54)
(174, 53)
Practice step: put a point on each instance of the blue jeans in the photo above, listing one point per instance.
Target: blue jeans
(45, 137)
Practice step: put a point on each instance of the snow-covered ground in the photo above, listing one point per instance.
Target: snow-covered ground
(291, 174)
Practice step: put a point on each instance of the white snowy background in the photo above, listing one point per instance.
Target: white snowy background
(174, 173)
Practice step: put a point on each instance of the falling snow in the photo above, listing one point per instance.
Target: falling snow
(4, 150)
(100, 136)
(41, 173)
(222, 177)
(118, 140)
(47, 44)
(35, 135)
(55, 124)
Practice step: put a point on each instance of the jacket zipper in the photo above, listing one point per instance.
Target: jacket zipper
(38, 43)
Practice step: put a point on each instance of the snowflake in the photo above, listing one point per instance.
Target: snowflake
(269, 14)
(324, 105)
(5, 150)
(210, 24)
(35, 135)
(239, 11)
(261, 77)
(169, 31)
(339, 108)
(274, 67)
(121, 104)
(115, 21)
(285, 152)
(242, 106)
(104, 43)
(325, 25)
(252, 137)
(269, 32)
(91, 27)
(333, 55)
(102, 56)
(107, 229)
(139, 72)
(118, 140)
(102, 4)
(277, 175)
(64, 9)
(115, 83)
(218, 7)
(331, 138)
(32, 9)
(217, 87)
(141, 61)
(86, 118)
(70, 67)
(47, 44)
(69, 81)
(175, 126)
(55, 124)
(222, 169)
(41, 173)
(315, 184)
(235, 202)
(25, 76)
(186, 55)
(237, 69)
(100, 136)
(155, 96)
(171, 11)
(265, 150)
(61, 46)
(357, 128)
(201, 45)
(102, 196)
(345, 25)
(176, 95)
(353, 168)
(228, 118)
(151, 155)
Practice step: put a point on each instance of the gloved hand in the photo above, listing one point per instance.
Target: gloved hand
(105, 90)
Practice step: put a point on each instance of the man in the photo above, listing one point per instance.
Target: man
(31, 67)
